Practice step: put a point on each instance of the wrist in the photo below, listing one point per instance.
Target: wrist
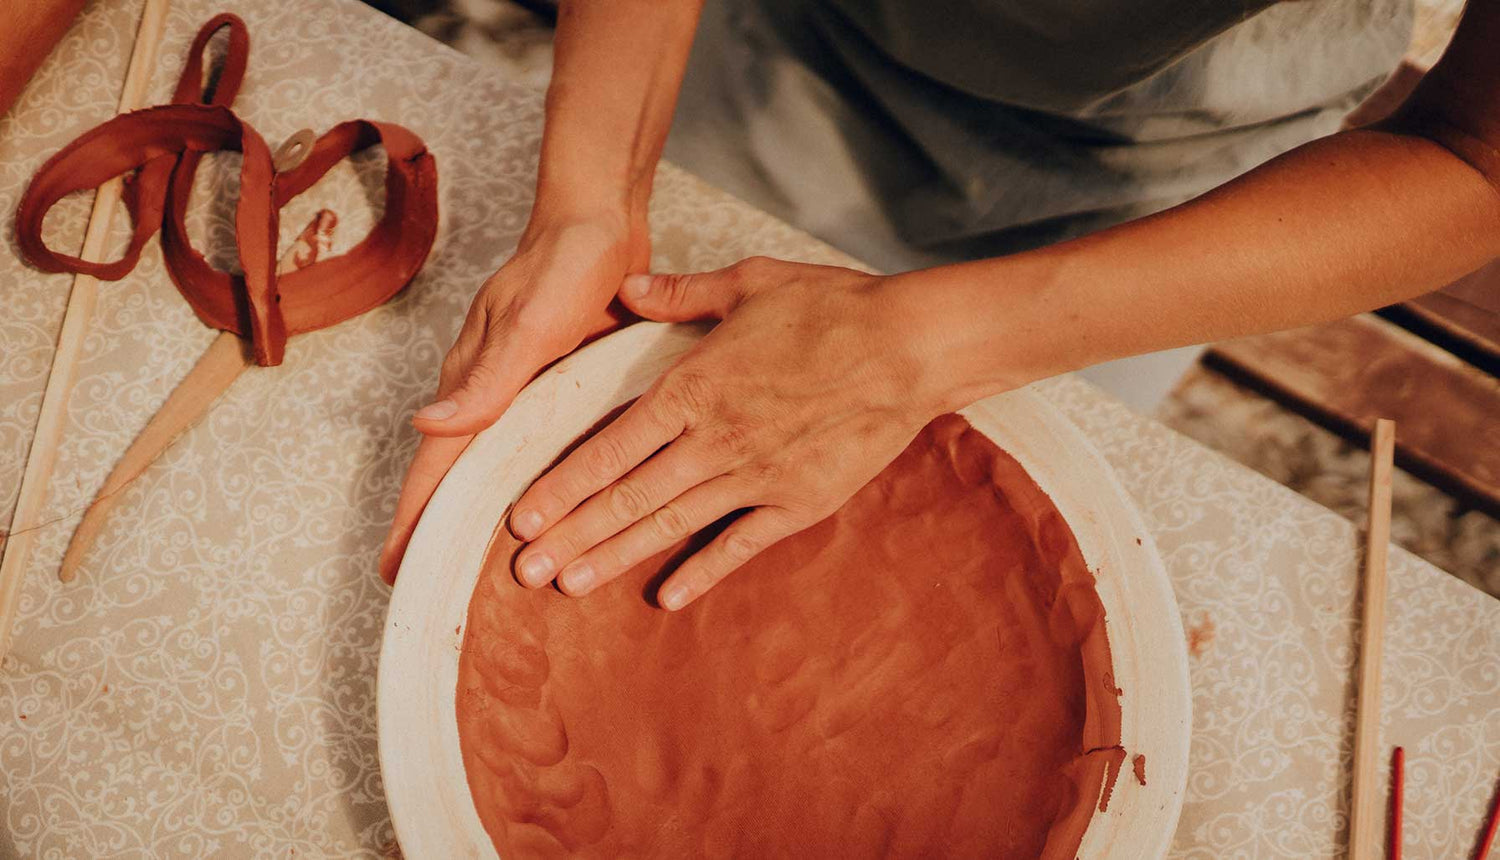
(590, 186)
(556, 208)
(614, 227)
(974, 330)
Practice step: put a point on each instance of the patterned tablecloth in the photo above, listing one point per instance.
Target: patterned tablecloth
(207, 686)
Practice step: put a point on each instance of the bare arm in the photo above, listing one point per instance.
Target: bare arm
(818, 376)
(617, 67)
(616, 71)
(1344, 224)
(28, 33)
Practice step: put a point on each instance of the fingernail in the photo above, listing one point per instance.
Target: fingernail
(526, 524)
(535, 569)
(674, 597)
(578, 578)
(635, 286)
(439, 411)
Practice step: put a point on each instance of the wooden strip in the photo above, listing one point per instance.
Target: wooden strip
(1464, 318)
(1364, 811)
(1346, 374)
(217, 369)
(42, 457)
(220, 365)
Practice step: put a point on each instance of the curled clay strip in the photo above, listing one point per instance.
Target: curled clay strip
(161, 147)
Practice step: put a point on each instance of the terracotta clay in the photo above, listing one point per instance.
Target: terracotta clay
(924, 673)
(160, 148)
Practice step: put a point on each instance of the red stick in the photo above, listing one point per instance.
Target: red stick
(1488, 841)
(1398, 783)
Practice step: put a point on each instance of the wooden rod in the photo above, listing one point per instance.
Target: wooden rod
(1364, 812)
(219, 366)
(42, 457)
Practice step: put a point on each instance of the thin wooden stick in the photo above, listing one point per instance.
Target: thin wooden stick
(1487, 841)
(1398, 788)
(1364, 815)
(76, 319)
(219, 366)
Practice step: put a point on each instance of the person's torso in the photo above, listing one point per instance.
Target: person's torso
(1042, 119)
(1058, 56)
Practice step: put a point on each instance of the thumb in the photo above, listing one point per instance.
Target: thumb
(474, 392)
(685, 298)
(435, 455)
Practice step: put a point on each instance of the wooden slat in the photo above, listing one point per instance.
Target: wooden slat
(1463, 319)
(1346, 374)
(1364, 829)
(15, 549)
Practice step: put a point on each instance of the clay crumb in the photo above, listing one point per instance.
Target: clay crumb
(1111, 686)
(1199, 638)
(1138, 764)
(23, 716)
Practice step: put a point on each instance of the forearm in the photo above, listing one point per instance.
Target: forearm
(1345, 224)
(616, 71)
(28, 32)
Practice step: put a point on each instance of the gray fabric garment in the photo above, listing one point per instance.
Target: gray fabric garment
(913, 133)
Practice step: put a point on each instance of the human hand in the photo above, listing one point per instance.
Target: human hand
(553, 294)
(810, 386)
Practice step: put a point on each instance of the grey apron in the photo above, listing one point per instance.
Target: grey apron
(919, 132)
(964, 128)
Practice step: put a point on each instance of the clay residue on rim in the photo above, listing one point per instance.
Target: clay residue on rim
(924, 673)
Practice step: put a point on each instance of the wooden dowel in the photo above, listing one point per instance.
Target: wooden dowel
(217, 369)
(1364, 810)
(42, 457)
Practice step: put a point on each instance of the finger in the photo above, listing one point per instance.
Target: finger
(602, 459)
(745, 538)
(684, 298)
(686, 515)
(666, 475)
(480, 379)
(435, 456)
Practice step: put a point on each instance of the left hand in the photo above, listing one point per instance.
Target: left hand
(803, 394)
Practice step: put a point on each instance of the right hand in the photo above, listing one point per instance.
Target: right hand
(551, 296)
